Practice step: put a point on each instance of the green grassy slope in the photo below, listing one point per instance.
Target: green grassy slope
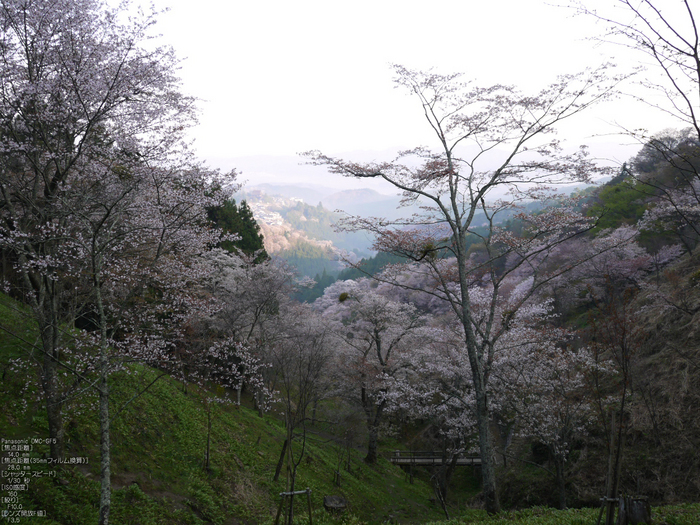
(158, 447)
(688, 514)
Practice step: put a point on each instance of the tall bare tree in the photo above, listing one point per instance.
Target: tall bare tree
(494, 150)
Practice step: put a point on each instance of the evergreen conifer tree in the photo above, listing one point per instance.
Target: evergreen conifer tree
(238, 219)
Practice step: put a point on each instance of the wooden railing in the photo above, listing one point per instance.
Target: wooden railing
(423, 458)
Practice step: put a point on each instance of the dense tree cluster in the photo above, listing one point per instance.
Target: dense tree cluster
(102, 208)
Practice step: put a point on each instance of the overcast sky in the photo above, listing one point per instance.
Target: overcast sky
(278, 77)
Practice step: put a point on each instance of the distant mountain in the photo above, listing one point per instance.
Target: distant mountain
(349, 196)
(308, 193)
(289, 173)
(365, 202)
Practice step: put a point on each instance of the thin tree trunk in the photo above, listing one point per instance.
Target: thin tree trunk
(440, 492)
(291, 497)
(478, 360)
(280, 463)
(372, 444)
(105, 456)
(206, 462)
(45, 306)
(52, 397)
(488, 470)
(292, 472)
(610, 492)
(105, 459)
(449, 470)
(373, 413)
(561, 481)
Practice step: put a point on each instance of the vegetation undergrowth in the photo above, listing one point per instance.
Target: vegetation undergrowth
(685, 514)
(158, 451)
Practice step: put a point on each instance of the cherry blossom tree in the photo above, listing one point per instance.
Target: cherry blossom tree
(97, 190)
(437, 389)
(301, 357)
(253, 295)
(608, 264)
(495, 151)
(375, 336)
(616, 338)
(75, 86)
(673, 189)
(252, 291)
(615, 269)
(140, 238)
(667, 34)
(230, 364)
(537, 390)
(541, 381)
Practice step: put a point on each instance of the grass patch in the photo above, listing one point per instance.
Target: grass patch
(687, 514)
(158, 454)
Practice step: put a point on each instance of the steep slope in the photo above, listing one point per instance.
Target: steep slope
(159, 441)
(666, 374)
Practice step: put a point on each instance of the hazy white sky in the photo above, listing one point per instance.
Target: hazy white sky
(276, 77)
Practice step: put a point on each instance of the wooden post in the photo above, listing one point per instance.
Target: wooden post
(308, 499)
(622, 517)
(638, 509)
(279, 510)
(600, 514)
(283, 495)
(610, 487)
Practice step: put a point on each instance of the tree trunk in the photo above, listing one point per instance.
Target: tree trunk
(561, 481)
(488, 470)
(290, 520)
(609, 507)
(478, 361)
(52, 397)
(105, 459)
(449, 470)
(372, 445)
(105, 456)
(373, 414)
(483, 416)
(46, 314)
(261, 411)
(206, 461)
(292, 473)
(258, 403)
(440, 493)
(442, 479)
(280, 463)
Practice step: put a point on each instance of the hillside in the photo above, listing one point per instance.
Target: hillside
(658, 325)
(666, 374)
(159, 445)
(514, 340)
